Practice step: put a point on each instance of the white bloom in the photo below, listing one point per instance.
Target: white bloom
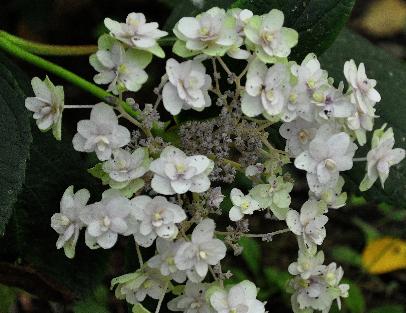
(187, 87)
(241, 205)
(309, 223)
(333, 197)
(212, 32)
(67, 223)
(47, 105)
(381, 157)
(364, 93)
(126, 166)
(135, 32)
(309, 74)
(254, 170)
(106, 219)
(101, 133)
(332, 103)
(329, 153)
(122, 70)
(361, 123)
(333, 276)
(157, 216)
(269, 38)
(308, 264)
(265, 89)
(298, 135)
(164, 260)
(202, 251)
(241, 298)
(136, 286)
(177, 173)
(192, 301)
(241, 18)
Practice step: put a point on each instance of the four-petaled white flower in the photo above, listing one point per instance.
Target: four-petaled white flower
(106, 219)
(135, 32)
(265, 89)
(212, 32)
(164, 260)
(241, 298)
(203, 250)
(126, 166)
(329, 153)
(381, 157)
(187, 87)
(309, 223)
(47, 105)
(67, 223)
(101, 133)
(307, 264)
(241, 205)
(134, 287)
(363, 89)
(157, 216)
(298, 135)
(177, 173)
(121, 69)
(270, 40)
(193, 299)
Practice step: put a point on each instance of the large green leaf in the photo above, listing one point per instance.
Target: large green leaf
(391, 76)
(318, 22)
(15, 139)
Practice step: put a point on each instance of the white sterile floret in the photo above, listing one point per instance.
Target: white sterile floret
(47, 105)
(106, 219)
(381, 157)
(164, 260)
(241, 18)
(203, 250)
(242, 204)
(134, 287)
(121, 69)
(157, 217)
(187, 87)
(241, 298)
(268, 38)
(212, 32)
(298, 135)
(101, 133)
(177, 173)
(136, 33)
(265, 89)
(67, 223)
(126, 166)
(309, 223)
(332, 103)
(329, 153)
(307, 264)
(363, 89)
(309, 74)
(333, 276)
(333, 197)
(193, 299)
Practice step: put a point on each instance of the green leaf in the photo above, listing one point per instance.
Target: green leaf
(276, 277)
(391, 308)
(8, 296)
(317, 22)
(251, 254)
(347, 255)
(355, 301)
(15, 138)
(370, 232)
(97, 171)
(139, 308)
(390, 74)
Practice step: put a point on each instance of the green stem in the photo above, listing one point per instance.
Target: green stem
(57, 70)
(46, 49)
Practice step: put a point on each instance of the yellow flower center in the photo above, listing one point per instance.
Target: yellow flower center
(330, 164)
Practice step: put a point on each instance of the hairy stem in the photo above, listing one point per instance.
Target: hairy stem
(277, 232)
(139, 255)
(65, 74)
(46, 49)
(161, 298)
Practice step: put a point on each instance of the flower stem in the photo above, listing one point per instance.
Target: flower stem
(139, 255)
(161, 298)
(78, 106)
(359, 159)
(65, 74)
(277, 232)
(46, 49)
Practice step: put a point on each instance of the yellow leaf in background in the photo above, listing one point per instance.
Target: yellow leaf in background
(384, 255)
(384, 18)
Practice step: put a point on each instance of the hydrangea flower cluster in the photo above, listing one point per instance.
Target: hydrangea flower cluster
(163, 178)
